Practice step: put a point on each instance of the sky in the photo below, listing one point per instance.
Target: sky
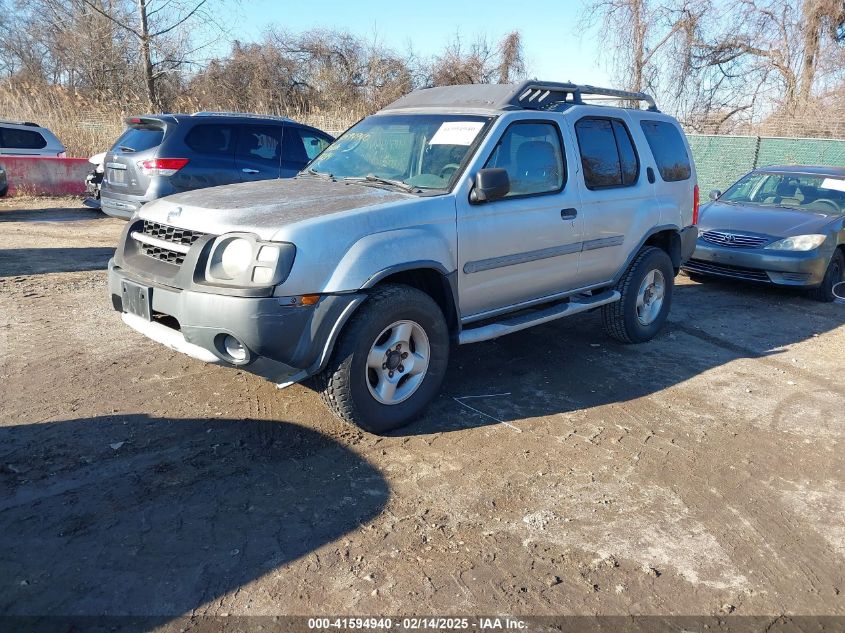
(554, 48)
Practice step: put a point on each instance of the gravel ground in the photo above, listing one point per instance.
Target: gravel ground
(558, 473)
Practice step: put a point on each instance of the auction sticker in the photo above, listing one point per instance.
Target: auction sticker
(456, 133)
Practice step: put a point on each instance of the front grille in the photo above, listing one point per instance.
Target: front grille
(722, 270)
(733, 240)
(171, 234)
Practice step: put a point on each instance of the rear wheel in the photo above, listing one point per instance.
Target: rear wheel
(646, 289)
(389, 361)
(834, 275)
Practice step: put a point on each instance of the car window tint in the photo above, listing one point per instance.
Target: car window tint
(668, 149)
(261, 143)
(21, 139)
(313, 143)
(293, 149)
(140, 139)
(599, 154)
(627, 154)
(212, 139)
(532, 155)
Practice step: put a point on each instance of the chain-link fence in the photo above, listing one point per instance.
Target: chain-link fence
(720, 160)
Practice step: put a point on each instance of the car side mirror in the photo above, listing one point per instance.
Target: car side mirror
(715, 193)
(490, 184)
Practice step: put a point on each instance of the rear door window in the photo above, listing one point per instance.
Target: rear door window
(139, 139)
(668, 149)
(21, 139)
(212, 139)
(607, 153)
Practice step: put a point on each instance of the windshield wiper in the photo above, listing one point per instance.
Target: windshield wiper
(404, 186)
(320, 174)
(123, 148)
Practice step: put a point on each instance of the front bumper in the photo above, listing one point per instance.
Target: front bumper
(284, 343)
(783, 268)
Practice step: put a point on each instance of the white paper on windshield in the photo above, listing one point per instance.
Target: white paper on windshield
(833, 183)
(456, 133)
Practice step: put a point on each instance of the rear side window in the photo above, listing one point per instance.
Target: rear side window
(139, 139)
(607, 153)
(212, 139)
(532, 155)
(669, 150)
(21, 139)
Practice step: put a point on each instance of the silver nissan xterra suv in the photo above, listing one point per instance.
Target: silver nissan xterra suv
(454, 215)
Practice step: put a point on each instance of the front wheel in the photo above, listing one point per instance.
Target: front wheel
(834, 275)
(646, 289)
(389, 361)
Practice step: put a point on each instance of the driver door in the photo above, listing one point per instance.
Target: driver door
(527, 245)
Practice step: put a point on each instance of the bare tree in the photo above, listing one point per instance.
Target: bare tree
(480, 62)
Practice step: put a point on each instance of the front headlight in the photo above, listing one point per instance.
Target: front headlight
(242, 260)
(798, 243)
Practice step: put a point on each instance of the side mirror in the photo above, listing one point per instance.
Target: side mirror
(715, 193)
(490, 184)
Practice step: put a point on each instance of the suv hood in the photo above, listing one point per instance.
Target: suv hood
(767, 220)
(263, 207)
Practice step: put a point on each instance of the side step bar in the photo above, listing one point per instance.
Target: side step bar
(515, 324)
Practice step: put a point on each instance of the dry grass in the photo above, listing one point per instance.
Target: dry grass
(86, 126)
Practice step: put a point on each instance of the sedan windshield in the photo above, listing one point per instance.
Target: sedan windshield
(424, 151)
(789, 190)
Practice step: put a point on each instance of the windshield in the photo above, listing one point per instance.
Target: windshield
(789, 190)
(425, 151)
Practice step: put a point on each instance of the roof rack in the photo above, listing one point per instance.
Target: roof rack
(249, 115)
(27, 123)
(535, 95)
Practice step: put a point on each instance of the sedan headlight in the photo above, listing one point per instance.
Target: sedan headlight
(240, 259)
(798, 243)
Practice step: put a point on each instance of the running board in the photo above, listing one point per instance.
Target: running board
(575, 305)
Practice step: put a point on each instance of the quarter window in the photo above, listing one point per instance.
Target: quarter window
(212, 139)
(21, 139)
(607, 153)
(532, 155)
(668, 149)
(314, 143)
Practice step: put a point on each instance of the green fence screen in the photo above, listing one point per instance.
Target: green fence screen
(721, 160)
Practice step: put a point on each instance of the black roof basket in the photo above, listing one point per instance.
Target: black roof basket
(537, 95)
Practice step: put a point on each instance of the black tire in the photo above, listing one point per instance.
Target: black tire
(835, 274)
(343, 383)
(620, 317)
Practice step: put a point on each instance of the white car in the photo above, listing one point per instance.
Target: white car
(21, 138)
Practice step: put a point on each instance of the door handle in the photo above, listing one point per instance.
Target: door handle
(568, 214)
(650, 173)
(247, 170)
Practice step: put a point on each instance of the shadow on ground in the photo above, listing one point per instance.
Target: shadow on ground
(38, 261)
(135, 515)
(53, 214)
(571, 364)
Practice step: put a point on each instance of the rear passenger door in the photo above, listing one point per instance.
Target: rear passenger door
(617, 198)
(259, 155)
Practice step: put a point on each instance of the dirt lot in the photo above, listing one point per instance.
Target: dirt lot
(558, 473)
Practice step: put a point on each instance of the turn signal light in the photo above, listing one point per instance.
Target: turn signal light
(310, 300)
